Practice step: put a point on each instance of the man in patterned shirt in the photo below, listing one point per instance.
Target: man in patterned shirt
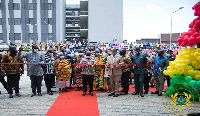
(88, 72)
(49, 73)
(34, 70)
(12, 70)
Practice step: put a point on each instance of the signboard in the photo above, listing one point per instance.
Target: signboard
(115, 46)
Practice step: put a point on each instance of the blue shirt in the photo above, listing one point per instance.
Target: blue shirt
(34, 57)
(160, 62)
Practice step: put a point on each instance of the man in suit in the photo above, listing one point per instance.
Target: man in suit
(114, 71)
(139, 60)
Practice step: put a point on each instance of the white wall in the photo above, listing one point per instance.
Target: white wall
(105, 20)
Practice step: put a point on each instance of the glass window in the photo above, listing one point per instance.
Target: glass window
(16, 6)
(13, 6)
(50, 21)
(17, 21)
(31, 21)
(50, 36)
(17, 36)
(10, 21)
(0, 21)
(33, 36)
(1, 36)
(49, 6)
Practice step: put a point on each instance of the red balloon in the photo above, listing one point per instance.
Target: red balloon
(196, 42)
(190, 44)
(185, 39)
(183, 44)
(185, 34)
(191, 40)
(180, 39)
(197, 23)
(191, 25)
(196, 27)
(198, 38)
(179, 43)
(195, 34)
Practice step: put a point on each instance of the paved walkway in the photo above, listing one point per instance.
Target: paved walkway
(128, 105)
(26, 105)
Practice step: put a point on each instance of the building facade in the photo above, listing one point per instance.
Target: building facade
(25, 21)
(77, 22)
(95, 21)
(105, 19)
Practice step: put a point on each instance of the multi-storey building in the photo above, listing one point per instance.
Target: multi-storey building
(77, 22)
(24, 21)
(95, 21)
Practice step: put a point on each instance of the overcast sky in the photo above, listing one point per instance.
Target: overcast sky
(149, 18)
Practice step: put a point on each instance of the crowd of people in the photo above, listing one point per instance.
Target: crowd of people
(101, 70)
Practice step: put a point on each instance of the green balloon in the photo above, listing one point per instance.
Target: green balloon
(179, 77)
(174, 77)
(198, 83)
(192, 83)
(188, 78)
(168, 93)
(171, 82)
(176, 81)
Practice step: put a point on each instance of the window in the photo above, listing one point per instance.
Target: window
(0, 21)
(50, 37)
(50, 21)
(33, 36)
(30, 6)
(1, 36)
(14, 21)
(31, 21)
(17, 21)
(1, 6)
(13, 6)
(46, 6)
(17, 36)
(49, 6)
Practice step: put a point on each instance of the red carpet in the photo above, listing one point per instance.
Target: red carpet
(72, 103)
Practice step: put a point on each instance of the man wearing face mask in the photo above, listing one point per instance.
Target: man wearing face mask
(114, 71)
(49, 73)
(12, 70)
(35, 70)
(88, 72)
(160, 64)
(139, 60)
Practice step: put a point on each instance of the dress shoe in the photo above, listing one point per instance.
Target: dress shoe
(0, 92)
(141, 94)
(39, 94)
(84, 93)
(116, 95)
(10, 96)
(156, 92)
(70, 87)
(50, 93)
(160, 94)
(91, 94)
(134, 93)
(111, 94)
(33, 94)
(17, 94)
(146, 92)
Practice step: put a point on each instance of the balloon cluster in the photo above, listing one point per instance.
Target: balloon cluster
(187, 62)
(192, 37)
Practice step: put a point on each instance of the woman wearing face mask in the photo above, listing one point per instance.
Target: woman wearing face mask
(160, 64)
(35, 70)
(63, 73)
(49, 73)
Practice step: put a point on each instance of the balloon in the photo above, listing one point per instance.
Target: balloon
(198, 83)
(188, 78)
(168, 93)
(198, 38)
(192, 83)
(191, 39)
(180, 39)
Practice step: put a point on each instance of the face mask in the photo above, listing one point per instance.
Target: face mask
(35, 50)
(97, 54)
(51, 54)
(61, 57)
